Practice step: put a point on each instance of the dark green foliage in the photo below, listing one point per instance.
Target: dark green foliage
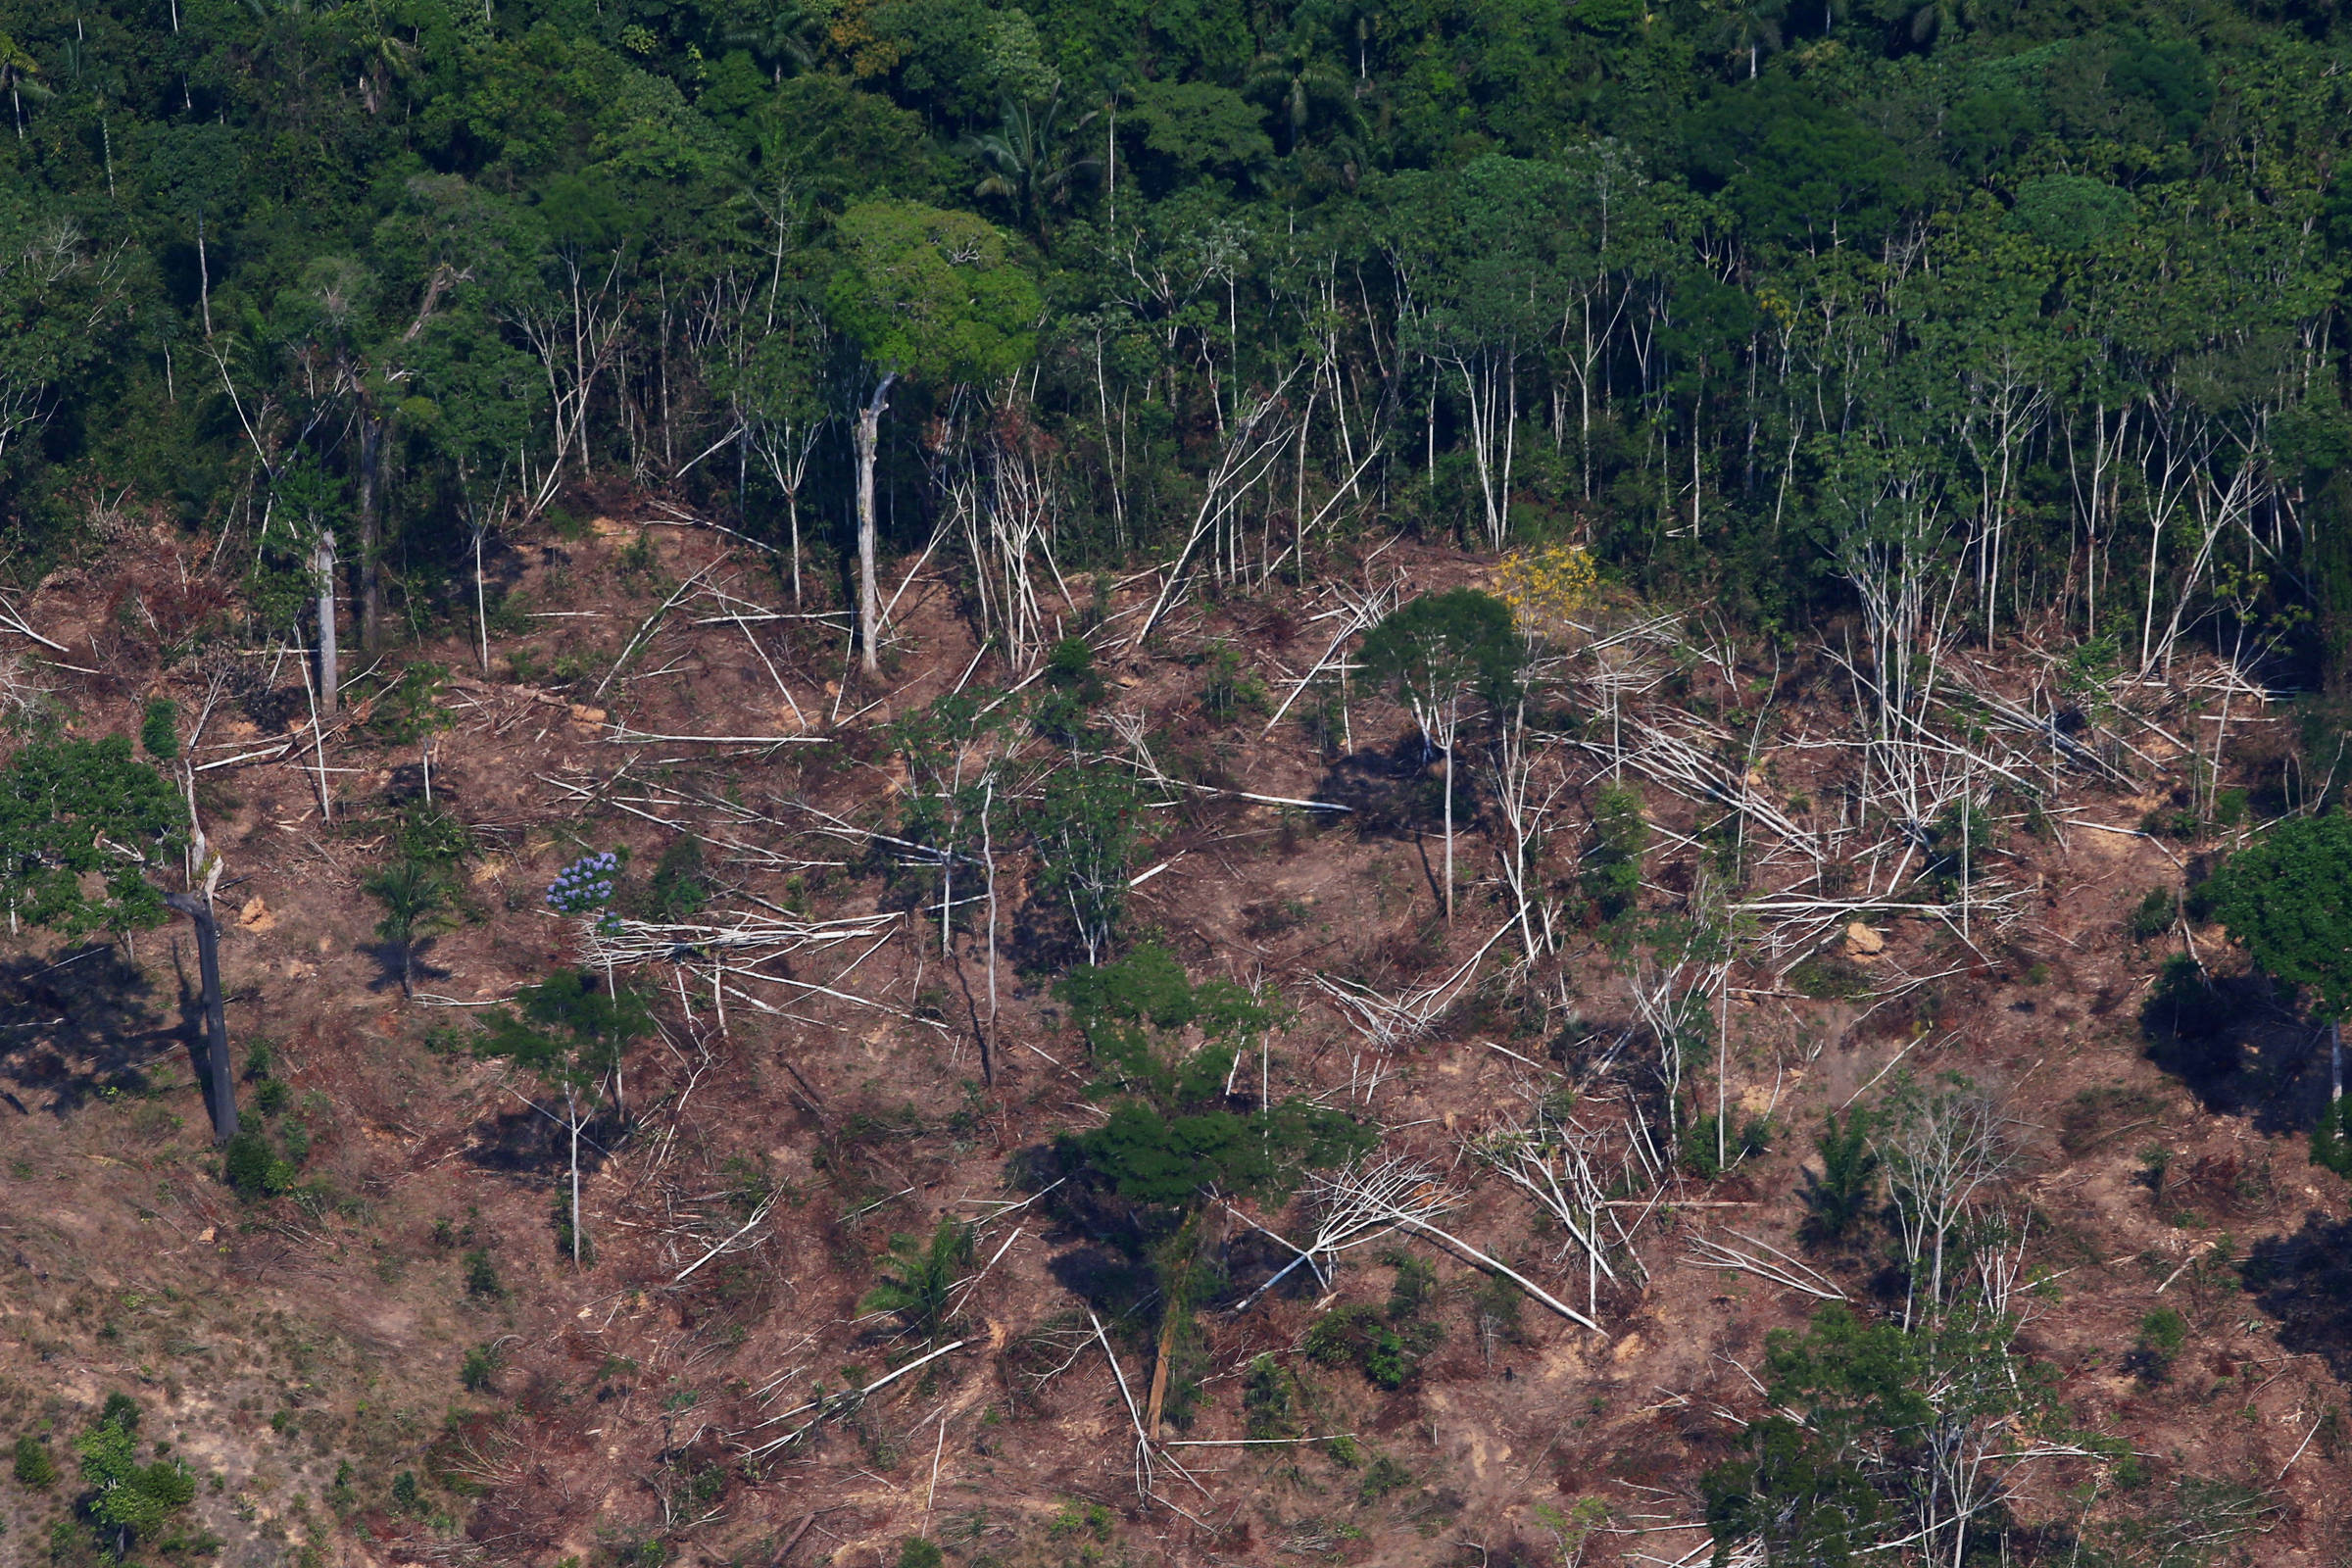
(1742, 1138)
(33, 1466)
(253, 1166)
(482, 1276)
(918, 1552)
(2152, 916)
(1356, 1336)
(571, 1031)
(405, 712)
(1610, 874)
(1443, 649)
(69, 810)
(1269, 1400)
(1227, 688)
(2163, 1333)
(432, 836)
(2288, 898)
(1828, 976)
(677, 890)
(159, 730)
(1958, 843)
(918, 1278)
(412, 892)
(1841, 1195)
(477, 1368)
(1172, 1134)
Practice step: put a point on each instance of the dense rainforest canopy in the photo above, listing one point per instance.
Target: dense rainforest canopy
(1940, 313)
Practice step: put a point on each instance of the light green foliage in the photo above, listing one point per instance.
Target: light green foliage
(1084, 826)
(129, 1499)
(83, 826)
(1611, 870)
(412, 892)
(930, 294)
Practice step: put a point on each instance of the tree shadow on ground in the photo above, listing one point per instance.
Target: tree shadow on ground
(2229, 1042)
(387, 961)
(536, 1143)
(1399, 791)
(2304, 1280)
(82, 1023)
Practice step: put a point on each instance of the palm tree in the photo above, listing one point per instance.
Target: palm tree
(1302, 90)
(17, 70)
(1932, 20)
(1025, 160)
(786, 32)
(920, 1279)
(412, 893)
(1753, 28)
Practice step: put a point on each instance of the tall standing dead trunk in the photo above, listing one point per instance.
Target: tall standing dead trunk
(329, 675)
(223, 1089)
(869, 596)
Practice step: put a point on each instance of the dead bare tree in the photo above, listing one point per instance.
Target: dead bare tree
(1944, 1145)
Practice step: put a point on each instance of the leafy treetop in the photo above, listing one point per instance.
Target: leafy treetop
(1175, 1134)
(2288, 897)
(83, 824)
(1442, 647)
(932, 295)
(569, 1031)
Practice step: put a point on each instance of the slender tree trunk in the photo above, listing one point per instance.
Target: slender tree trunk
(224, 1089)
(372, 584)
(869, 598)
(481, 606)
(1453, 728)
(329, 675)
(571, 1110)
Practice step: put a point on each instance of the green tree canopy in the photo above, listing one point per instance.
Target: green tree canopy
(83, 827)
(2288, 898)
(932, 295)
(1174, 1135)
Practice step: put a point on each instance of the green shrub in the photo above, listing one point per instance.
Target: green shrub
(1267, 1401)
(918, 1552)
(481, 1279)
(34, 1467)
(679, 891)
(479, 1367)
(2163, 1334)
(254, 1170)
(1611, 872)
(159, 730)
(1356, 1336)
(1827, 976)
(1741, 1140)
(1841, 1194)
(2152, 918)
